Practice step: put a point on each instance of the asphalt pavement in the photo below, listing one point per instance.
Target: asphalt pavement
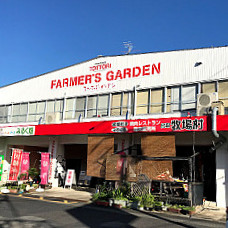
(23, 212)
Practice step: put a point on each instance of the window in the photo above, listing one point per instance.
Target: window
(142, 102)
(173, 99)
(19, 112)
(4, 113)
(116, 104)
(80, 106)
(103, 101)
(55, 107)
(92, 106)
(208, 87)
(69, 110)
(223, 94)
(119, 103)
(36, 111)
(188, 97)
(156, 101)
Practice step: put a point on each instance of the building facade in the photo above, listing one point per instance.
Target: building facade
(154, 104)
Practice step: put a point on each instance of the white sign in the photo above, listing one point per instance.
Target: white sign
(17, 131)
(69, 177)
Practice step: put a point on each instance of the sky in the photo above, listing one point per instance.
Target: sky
(41, 36)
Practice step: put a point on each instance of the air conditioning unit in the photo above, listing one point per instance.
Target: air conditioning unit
(204, 102)
(52, 118)
(220, 106)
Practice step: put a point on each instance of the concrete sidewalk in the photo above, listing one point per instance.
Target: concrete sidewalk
(208, 211)
(66, 194)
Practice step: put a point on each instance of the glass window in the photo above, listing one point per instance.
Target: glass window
(124, 105)
(103, 101)
(142, 102)
(50, 106)
(223, 93)
(41, 107)
(116, 104)
(69, 110)
(80, 106)
(168, 100)
(91, 107)
(4, 113)
(20, 112)
(188, 97)
(156, 101)
(208, 87)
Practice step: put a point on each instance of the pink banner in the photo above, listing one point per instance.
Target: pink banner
(25, 165)
(15, 164)
(45, 162)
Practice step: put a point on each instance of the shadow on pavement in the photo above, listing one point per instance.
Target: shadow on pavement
(97, 216)
(18, 222)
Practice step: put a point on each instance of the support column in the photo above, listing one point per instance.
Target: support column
(222, 176)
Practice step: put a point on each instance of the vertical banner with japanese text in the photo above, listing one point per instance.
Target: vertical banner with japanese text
(45, 162)
(15, 164)
(25, 165)
(52, 151)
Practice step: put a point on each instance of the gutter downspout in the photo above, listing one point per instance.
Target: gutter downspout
(214, 130)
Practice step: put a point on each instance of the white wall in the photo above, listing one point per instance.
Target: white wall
(222, 175)
(176, 67)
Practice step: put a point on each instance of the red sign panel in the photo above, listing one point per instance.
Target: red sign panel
(180, 124)
(45, 162)
(25, 164)
(15, 164)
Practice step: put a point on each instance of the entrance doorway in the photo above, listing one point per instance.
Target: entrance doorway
(76, 158)
(205, 168)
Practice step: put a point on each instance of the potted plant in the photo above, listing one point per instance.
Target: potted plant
(32, 173)
(175, 209)
(119, 198)
(166, 206)
(158, 205)
(148, 201)
(188, 210)
(100, 198)
(134, 202)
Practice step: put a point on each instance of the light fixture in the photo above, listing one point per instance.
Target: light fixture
(197, 64)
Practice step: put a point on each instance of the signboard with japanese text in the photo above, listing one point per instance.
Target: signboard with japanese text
(25, 164)
(17, 131)
(15, 164)
(52, 152)
(45, 162)
(69, 177)
(175, 124)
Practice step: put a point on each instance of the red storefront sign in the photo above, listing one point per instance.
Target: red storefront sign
(45, 162)
(15, 164)
(25, 164)
(181, 124)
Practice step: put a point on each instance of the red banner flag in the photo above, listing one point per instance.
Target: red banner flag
(45, 162)
(15, 164)
(25, 164)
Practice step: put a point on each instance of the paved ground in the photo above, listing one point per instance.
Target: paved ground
(209, 211)
(18, 212)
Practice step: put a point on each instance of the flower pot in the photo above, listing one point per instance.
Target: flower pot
(187, 212)
(117, 205)
(13, 190)
(102, 203)
(121, 202)
(133, 205)
(148, 208)
(174, 210)
(158, 208)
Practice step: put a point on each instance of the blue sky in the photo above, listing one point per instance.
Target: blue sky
(45, 35)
